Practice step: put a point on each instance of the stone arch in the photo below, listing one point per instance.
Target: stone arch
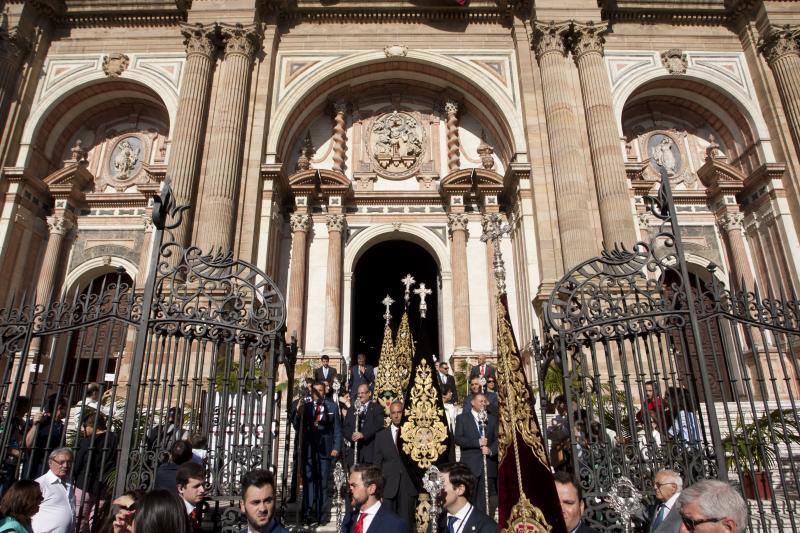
(79, 276)
(724, 99)
(419, 235)
(93, 92)
(364, 239)
(474, 85)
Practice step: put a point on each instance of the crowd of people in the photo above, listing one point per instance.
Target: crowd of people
(347, 423)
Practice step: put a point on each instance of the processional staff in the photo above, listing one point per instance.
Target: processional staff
(408, 281)
(482, 419)
(387, 302)
(422, 292)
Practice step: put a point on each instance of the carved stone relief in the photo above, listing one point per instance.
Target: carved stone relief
(396, 144)
(115, 64)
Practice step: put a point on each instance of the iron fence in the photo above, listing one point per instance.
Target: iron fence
(657, 365)
(118, 373)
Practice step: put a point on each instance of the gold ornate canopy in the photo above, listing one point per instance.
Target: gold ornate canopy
(403, 352)
(423, 433)
(387, 386)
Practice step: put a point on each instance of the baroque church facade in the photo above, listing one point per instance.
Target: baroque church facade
(306, 134)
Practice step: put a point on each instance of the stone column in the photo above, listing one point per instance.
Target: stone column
(339, 133)
(457, 222)
(453, 144)
(571, 189)
(782, 52)
(59, 227)
(13, 49)
(609, 168)
(300, 224)
(225, 152)
(190, 125)
(731, 225)
(333, 290)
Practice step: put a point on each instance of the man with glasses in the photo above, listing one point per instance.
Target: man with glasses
(711, 506)
(58, 507)
(446, 381)
(665, 516)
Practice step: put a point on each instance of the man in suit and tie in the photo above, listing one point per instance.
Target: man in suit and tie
(482, 370)
(368, 513)
(399, 492)
(190, 483)
(326, 372)
(360, 373)
(446, 381)
(475, 388)
(258, 503)
(478, 440)
(370, 421)
(572, 506)
(322, 440)
(665, 516)
(458, 485)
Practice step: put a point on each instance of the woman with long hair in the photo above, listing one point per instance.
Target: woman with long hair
(20, 502)
(161, 511)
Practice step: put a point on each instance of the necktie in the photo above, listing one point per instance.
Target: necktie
(451, 521)
(659, 517)
(360, 524)
(318, 413)
(483, 369)
(194, 518)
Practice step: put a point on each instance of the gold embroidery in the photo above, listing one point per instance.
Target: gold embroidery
(403, 352)
(525, 518)
(516, 407)
(423, 433)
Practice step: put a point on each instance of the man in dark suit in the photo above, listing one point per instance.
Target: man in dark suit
(180, 453)
(475, 388)
(458, 485)
(399, 492)
(368, 513)
(572, 505)
(360, 373)
(258, 503)
(326, 372)
(370, 421)
(477, 441)
(446, 381)
(665, 516)
(482, 370)
(322, 440)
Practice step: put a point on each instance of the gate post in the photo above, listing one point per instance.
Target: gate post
(716, 437)
(164, 206)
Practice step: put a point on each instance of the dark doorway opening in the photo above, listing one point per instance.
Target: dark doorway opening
(378, 273)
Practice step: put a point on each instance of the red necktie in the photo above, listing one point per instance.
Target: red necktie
(483, 368)
(360, 524)
(318, 413)
(194, 519)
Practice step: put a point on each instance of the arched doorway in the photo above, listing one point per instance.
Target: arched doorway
(378, 272)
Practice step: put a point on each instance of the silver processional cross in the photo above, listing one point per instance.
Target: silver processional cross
(422, 292)
(493, 230)
(387, 302)
(408, 281)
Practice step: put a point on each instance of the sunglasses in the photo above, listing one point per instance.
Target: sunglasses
(691, 524)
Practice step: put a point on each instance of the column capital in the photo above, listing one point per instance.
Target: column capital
(339, 107)
(731, 221)
(457, 222)
(60, 225)
(335, 222)
(779, 41)
(587, 38)
(300, 222)
(147, 223)
(643, 219)
(201, 39)
(13, 45)
(240, 39)
(450, 106)
(549, 37)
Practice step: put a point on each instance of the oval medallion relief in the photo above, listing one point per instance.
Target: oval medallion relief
(126, 158)
(396, 145)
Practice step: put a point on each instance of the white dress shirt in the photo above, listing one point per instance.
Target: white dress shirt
(371, 512)
(667, 506)
(58, 507)
(394, 430)
(461, 517)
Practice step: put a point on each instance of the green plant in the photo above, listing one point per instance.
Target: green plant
(254, 380)
(462, 386)
(757, 441)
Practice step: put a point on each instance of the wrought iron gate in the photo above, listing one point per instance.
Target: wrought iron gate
(657, 366)
(119, 373)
